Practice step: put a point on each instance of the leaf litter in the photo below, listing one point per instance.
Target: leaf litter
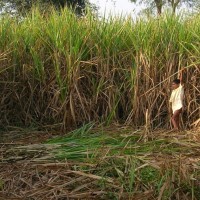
(109, 163)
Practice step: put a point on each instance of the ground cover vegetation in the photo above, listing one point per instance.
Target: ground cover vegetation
(98, 162)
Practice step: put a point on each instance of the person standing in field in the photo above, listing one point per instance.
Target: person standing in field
(176, 100)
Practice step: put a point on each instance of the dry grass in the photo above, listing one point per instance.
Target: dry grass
(165, 167)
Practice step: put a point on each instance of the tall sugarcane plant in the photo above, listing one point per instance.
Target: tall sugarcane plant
(59, 68)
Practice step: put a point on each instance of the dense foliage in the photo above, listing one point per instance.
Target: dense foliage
(59, 69)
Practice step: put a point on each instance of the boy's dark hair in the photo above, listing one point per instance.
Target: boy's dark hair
(177, 81)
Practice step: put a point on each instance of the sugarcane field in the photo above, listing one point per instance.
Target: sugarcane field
(99, 108)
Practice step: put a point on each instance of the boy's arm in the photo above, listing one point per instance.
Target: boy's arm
(181, 75)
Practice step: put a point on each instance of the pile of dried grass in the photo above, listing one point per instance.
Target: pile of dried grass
(33, 171)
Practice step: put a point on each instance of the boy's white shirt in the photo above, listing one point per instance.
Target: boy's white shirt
(177, 98)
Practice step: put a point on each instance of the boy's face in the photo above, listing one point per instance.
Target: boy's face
(175, 86)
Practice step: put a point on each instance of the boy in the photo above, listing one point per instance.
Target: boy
(176, 100)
